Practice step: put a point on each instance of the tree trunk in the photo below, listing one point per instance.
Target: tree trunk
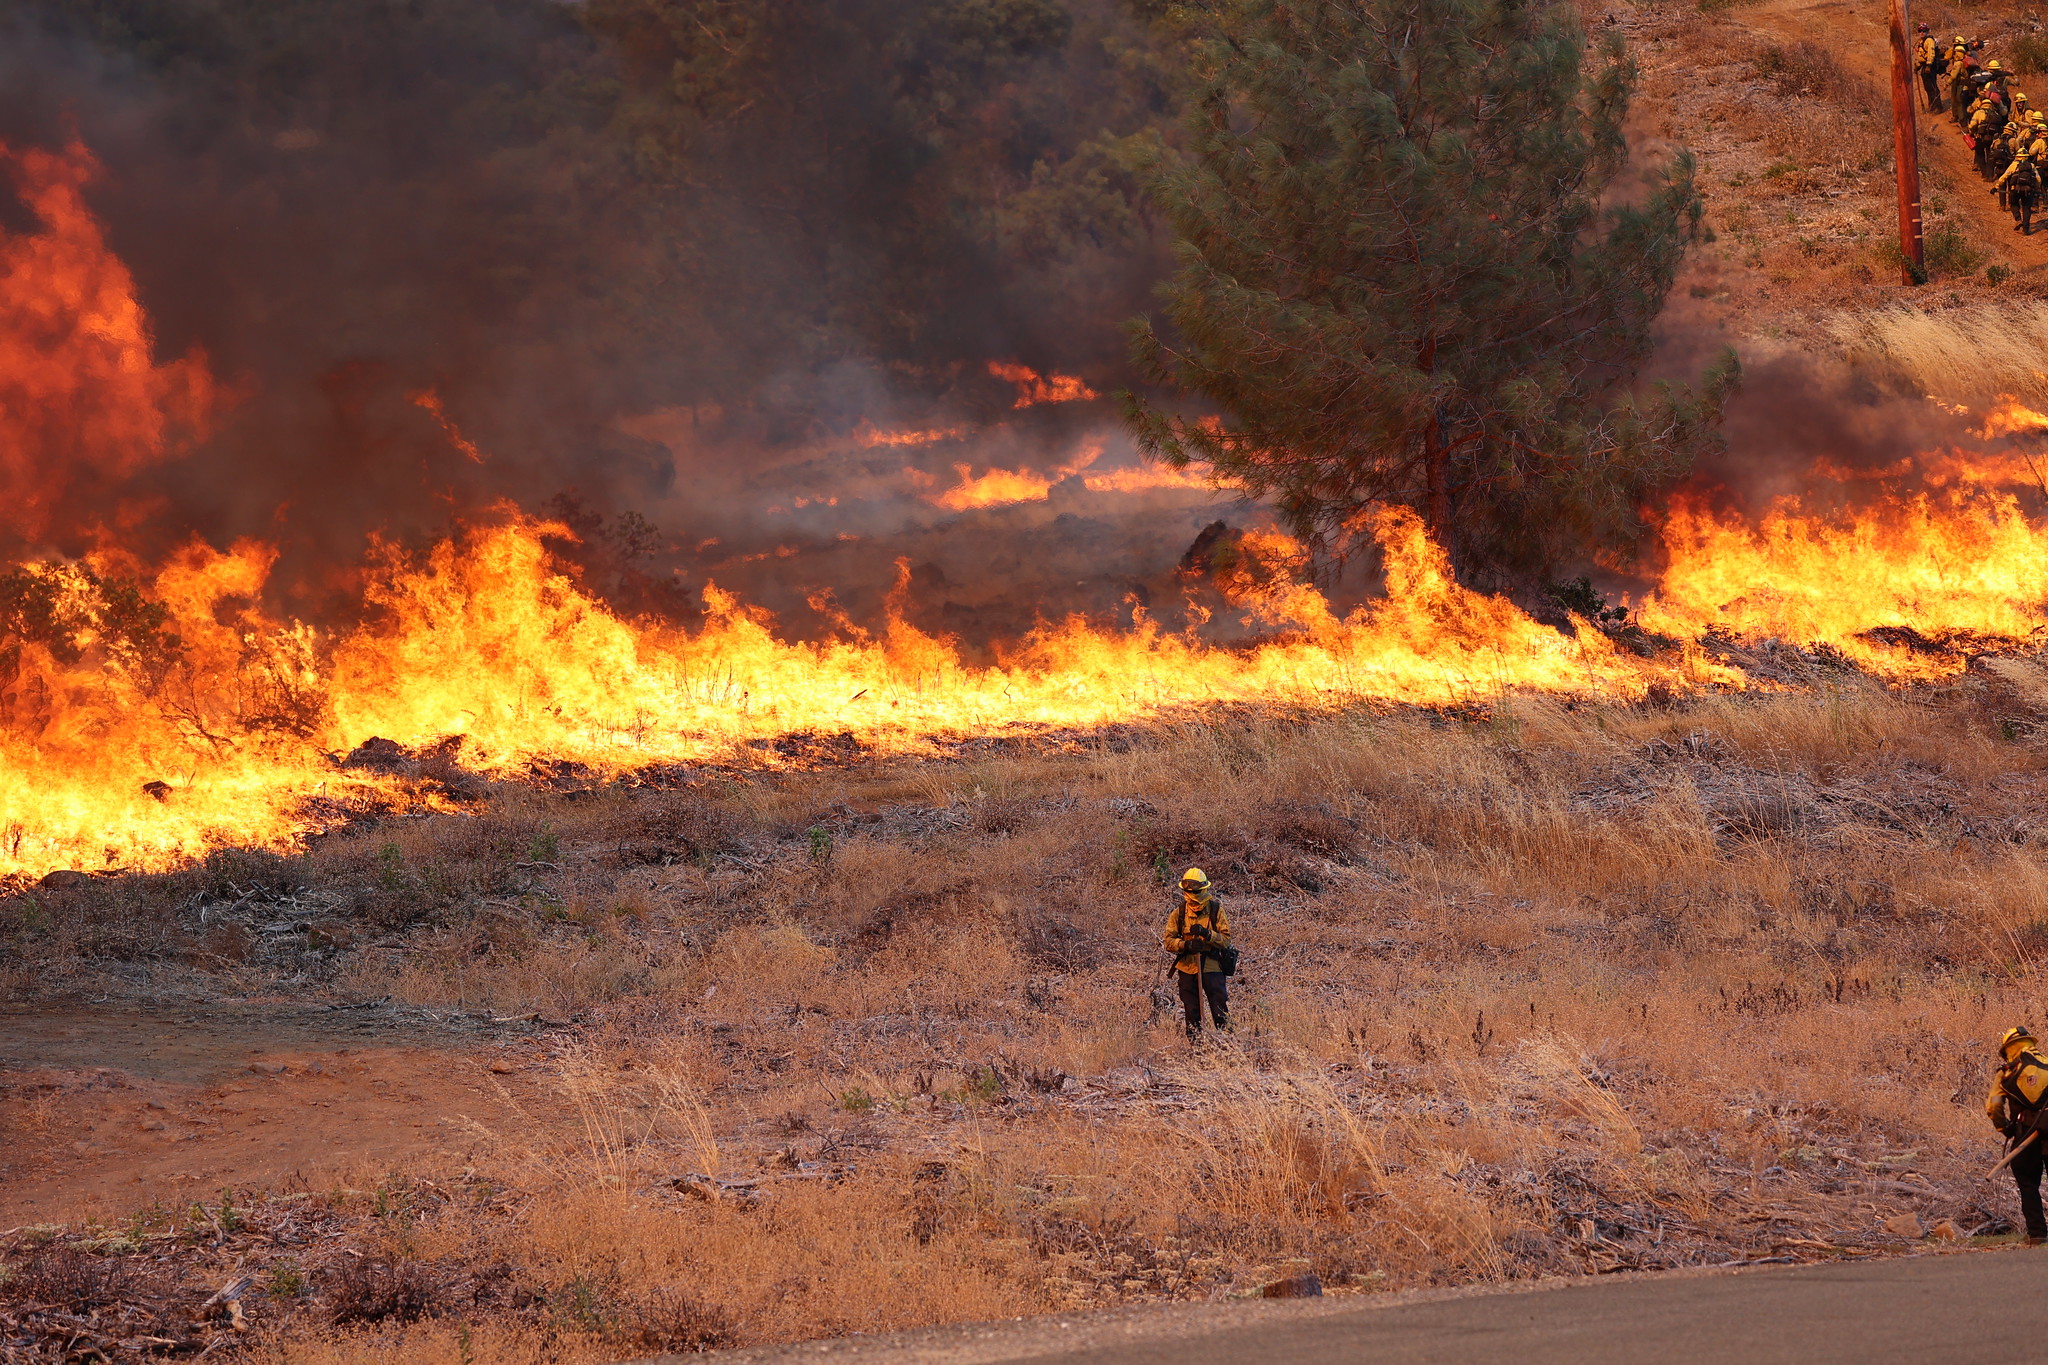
(1436, 473)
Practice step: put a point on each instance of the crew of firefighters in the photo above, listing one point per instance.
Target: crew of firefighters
(2008, 137)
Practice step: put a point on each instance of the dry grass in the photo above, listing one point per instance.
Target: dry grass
(1968, 355)
(1547, 991)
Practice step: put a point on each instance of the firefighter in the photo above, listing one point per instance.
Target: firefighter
(1982, 129)
(2014, 1105)
(1927, 61)
(2002, 147)
(1961, 66)
(1196, 931)
(2022, 179)
(1993, 85)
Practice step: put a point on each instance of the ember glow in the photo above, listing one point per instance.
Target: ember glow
(145, 722)
(868, 437)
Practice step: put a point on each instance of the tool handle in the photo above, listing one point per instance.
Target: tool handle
(2026, 1143)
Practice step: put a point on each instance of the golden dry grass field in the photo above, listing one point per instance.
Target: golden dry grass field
(1534, 990)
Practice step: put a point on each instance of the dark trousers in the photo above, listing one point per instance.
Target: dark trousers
(1930, 81)
(1192, 985)
(2026, 1173)
(2022, 201)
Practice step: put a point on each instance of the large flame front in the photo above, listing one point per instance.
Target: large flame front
(1940, 566)
(143, 723)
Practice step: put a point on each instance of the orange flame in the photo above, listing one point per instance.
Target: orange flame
(2010, 417)
(142, 725)
(430, 402)
(1001, 487)
(485, 638)
(80, 392)
(869, 437)
(1965, 562)
(1034, 388)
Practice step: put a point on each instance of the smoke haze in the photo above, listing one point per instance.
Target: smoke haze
(680, 259)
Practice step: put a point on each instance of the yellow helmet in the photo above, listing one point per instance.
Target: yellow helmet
(2014, 1039)
(1994, 66)
(1194, 879)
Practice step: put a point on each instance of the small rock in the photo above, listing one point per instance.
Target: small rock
(64, 879)
(267, 1068)
(160, 790)
(153, 1125)
(501, 1067)
(1904, 1225)
(1946, 1231)
(1294, 1287)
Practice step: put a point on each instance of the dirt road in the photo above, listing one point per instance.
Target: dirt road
(1930, 1310)
(104, 1110)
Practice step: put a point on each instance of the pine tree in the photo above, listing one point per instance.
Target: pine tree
(1408, 273)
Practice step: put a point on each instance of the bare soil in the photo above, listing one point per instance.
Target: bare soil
(106, 1108)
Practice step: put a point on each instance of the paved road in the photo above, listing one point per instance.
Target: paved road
(1970, 1309)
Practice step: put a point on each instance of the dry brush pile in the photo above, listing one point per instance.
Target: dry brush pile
(1534, 990)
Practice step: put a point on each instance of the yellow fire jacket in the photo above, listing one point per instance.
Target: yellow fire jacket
(2017, 1085)
(1206, 912)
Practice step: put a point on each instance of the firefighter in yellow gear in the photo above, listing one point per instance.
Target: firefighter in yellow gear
(1986, 118)
(2022, 180)
(2014, 1106)
(1927, 61)
(2003, 148)
(1962, 66)
(1194, 931)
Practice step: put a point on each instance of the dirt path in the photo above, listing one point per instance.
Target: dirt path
(103, 1111)
(1858, 36)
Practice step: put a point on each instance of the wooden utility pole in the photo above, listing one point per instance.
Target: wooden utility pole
(1906, 149)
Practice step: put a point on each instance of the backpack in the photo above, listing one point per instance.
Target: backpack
(2024, 1080)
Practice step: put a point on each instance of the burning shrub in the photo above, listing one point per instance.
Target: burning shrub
(52, 616)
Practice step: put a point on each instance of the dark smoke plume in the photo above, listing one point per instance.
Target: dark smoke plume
(756, 226)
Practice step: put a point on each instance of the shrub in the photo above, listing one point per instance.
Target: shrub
(1949, 252)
